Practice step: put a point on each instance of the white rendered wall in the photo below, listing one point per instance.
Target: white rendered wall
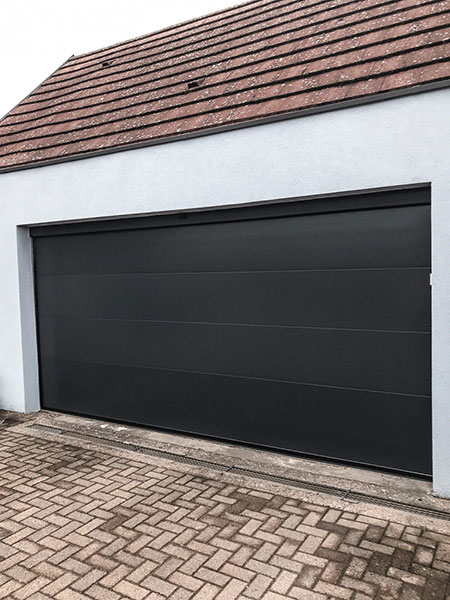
(395, 142)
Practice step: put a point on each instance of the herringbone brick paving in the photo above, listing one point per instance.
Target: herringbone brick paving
(80, 523)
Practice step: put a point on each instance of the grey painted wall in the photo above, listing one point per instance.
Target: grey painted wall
(395, 142)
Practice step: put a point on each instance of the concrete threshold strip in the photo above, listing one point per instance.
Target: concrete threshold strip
(341, 493)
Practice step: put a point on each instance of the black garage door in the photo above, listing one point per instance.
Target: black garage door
(302, 326)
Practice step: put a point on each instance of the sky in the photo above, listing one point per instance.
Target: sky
(37, 36)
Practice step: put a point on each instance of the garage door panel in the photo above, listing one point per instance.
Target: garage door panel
(307, 332)
(360, 239)
(355, 299)
(324, 357)
(347, 425)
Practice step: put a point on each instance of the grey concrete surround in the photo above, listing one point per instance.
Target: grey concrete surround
(396, 142)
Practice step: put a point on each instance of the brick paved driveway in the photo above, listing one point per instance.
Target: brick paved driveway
(92, 523)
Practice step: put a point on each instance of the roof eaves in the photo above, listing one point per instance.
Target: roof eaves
(340, 105)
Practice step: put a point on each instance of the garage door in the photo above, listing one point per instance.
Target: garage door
(302, 326)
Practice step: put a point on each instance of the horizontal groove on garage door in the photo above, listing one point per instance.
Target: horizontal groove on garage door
(320, 385)
(369, 269)
(332, 358)
(242, 325)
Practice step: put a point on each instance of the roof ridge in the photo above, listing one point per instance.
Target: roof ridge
(169, 28)
(142, 44)
(61, 84)
(153, 48)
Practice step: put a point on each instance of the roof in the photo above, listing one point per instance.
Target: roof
(264, 58)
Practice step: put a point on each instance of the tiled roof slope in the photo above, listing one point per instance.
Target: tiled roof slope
(260, 59)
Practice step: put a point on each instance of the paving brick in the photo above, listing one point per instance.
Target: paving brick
(232, 590)
(31, 588)
(98, 592)
(312, 543)
(283, 582)
(359, 586)
(333, 590)
(130, 590)
(265, 552)
(59, 584)
(218, 559)
(207, 592)
(356, 567)
(69, 595)
(186, 581)
(406, 577)
(182, 594)
(115, 576)
(301, 594)
(238, 572)
(8, 588)
(333, 572)
(212, 576)
(258, 586)
(109, 527)
(20, 574)
(87, 580)
(156, 584)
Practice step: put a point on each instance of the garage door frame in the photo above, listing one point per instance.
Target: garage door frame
(342, 202)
